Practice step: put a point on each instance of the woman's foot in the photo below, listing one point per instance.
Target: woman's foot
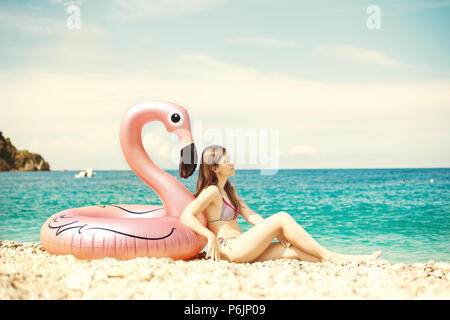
(354, 258)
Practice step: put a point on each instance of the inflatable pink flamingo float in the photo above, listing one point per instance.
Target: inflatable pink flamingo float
(127, 231)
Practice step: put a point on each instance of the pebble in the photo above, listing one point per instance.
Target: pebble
(398, 266)
(28, 272)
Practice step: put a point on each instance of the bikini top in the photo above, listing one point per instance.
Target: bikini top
(228, 212)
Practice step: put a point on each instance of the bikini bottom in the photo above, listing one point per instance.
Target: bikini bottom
(224, 242)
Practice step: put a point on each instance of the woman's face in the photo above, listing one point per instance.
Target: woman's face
(225, 166)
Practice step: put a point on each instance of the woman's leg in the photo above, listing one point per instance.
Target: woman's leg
(251, 244)
(276, 251)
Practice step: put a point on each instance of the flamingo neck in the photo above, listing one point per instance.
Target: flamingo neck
(173, 194)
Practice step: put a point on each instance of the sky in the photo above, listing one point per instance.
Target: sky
(309, 81)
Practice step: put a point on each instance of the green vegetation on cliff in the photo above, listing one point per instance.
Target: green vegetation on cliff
(12, 159)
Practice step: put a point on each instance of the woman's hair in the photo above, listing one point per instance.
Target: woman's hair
(211, 156)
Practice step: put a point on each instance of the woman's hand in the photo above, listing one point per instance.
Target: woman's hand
(284, 242)
(213, 248)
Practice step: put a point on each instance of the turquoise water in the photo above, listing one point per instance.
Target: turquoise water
(352, 211)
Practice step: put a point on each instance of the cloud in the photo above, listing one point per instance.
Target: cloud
(135, 9)
(161, 146)
(67, 3)
(417, 5)
(302, 149)
(353, 53)
(31, 24)
(47, 26)
(73, 119)
(261, 42)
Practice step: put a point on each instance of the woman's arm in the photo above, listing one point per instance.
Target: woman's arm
(251, 216)
(188, 217)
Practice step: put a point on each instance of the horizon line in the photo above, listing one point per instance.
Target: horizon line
(260, 169)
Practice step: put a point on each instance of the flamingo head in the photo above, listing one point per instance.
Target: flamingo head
(177, 121)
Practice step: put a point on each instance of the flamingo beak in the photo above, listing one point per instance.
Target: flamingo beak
(188, 160)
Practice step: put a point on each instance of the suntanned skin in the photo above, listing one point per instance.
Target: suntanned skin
(256, 243)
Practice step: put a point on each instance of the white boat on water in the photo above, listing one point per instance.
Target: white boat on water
(88, 173)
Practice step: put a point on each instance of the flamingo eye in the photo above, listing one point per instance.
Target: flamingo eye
(175, 118)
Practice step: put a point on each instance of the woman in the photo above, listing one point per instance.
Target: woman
(216, 197)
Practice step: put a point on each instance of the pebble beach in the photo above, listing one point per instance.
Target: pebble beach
(27, 271)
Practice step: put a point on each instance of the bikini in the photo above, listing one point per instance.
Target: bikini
(228, 214)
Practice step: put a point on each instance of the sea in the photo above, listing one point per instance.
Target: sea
(404, 212)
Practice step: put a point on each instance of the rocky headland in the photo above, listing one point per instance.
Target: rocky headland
(12, 159)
